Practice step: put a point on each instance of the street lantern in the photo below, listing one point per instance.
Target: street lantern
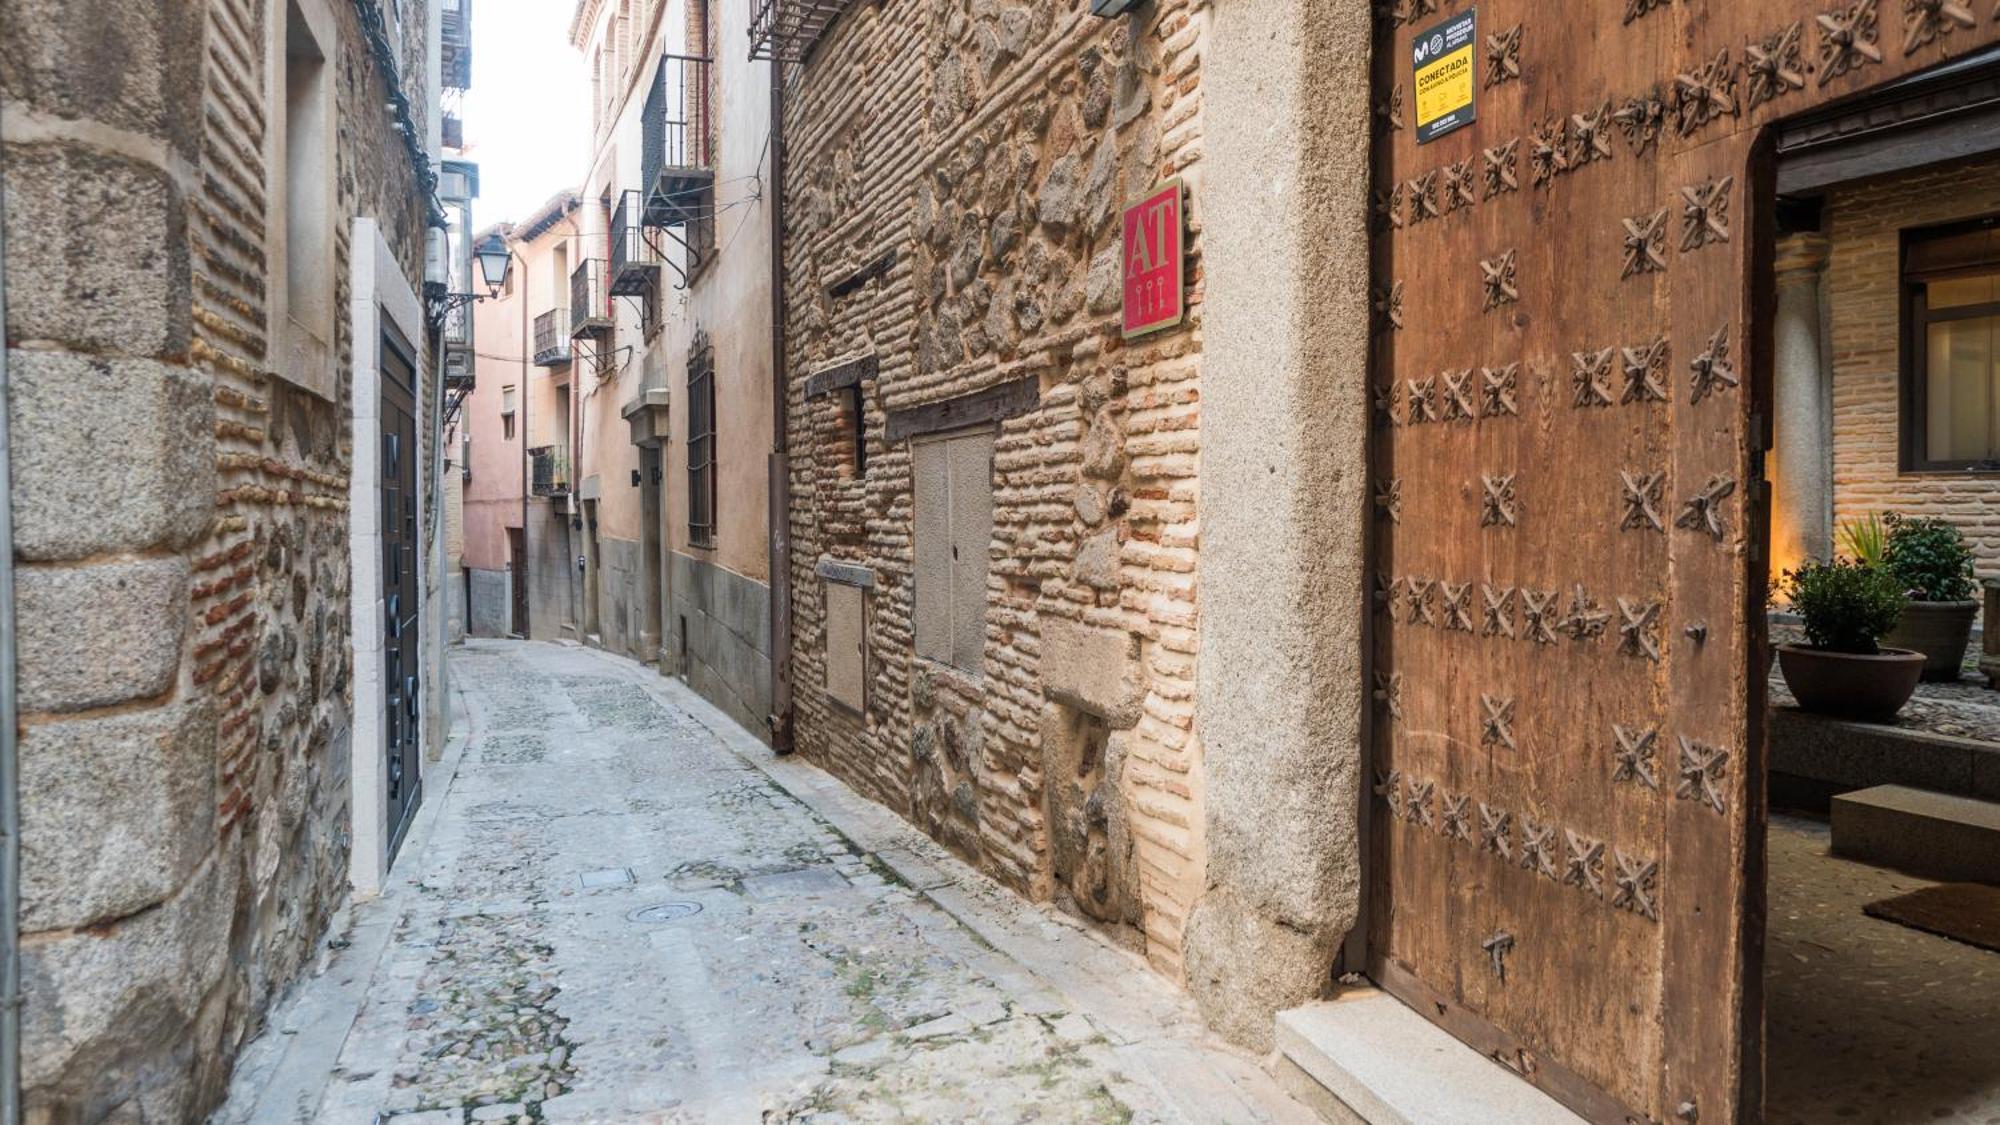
(495, 259)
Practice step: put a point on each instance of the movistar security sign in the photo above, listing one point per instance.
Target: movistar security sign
(1443, 60)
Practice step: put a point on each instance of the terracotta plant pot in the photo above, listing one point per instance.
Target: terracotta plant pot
(1849, 685)
(1939, 630)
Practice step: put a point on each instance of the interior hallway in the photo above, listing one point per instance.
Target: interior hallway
(1869, 1021)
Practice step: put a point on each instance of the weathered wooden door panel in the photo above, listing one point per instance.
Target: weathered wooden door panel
(1566, 864)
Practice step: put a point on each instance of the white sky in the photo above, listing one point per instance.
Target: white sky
(527, 115)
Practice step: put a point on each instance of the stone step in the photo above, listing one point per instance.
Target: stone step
(1378, 1061)
(1836, 755)
(1940, 836)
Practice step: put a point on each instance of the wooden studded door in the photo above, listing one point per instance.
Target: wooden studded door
(1571, 340)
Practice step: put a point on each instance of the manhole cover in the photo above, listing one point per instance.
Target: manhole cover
(605, 877)
(664, 912)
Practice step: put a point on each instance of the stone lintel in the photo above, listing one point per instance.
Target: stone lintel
(996, 403)
(1094, 670)
(846, 574)
(847, 374)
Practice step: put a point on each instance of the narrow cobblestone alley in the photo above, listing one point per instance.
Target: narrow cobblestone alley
(615, 909)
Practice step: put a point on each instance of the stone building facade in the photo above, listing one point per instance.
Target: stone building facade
(1060, 751)
(1005, 623)
(520, 402)
(670, 506)
(179, 271)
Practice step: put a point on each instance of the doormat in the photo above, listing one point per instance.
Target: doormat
(1967, 912)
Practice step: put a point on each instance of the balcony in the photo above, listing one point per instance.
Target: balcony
(549, 470)
(635, 265)
(676, 157)
(458, 371)
(552, 338)
(589, 299)
(788, 30)
(455, 45)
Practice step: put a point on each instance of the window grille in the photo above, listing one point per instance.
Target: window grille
(701, 445)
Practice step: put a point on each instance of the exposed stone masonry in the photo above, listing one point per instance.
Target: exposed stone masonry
(182, 521)
(990, 168)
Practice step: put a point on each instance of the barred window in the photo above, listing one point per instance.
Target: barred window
(701, 445)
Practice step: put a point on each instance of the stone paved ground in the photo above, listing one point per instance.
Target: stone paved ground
(790, 970)
(1870, 1021)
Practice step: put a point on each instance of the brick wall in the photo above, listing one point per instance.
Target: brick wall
(979, 154)
(182, 529)
(1864, 222)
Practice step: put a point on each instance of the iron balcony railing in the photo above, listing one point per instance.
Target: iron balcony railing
(455, 45)
(458, 327)
(676, 150)
(552, 338)
(634, 262)
(459, 371)
(788, 30)
(549, 470)
(589, 299)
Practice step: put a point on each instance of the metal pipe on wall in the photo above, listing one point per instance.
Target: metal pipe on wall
(526, 437)
(780, 506)
(10, 787)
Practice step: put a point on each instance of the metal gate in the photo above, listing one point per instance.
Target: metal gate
(401, 720)
(1571, 356)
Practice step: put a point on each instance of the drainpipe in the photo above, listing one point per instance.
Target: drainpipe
(521, 433)
(10, 781)
(780, 536)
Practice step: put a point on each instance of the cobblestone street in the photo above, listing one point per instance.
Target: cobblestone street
(618, 907)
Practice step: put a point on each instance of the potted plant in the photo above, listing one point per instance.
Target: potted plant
(1931, 561)
(1841, 670)
(1865, 539)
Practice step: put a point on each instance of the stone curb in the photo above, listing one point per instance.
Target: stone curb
(292, 1061)
(1144, 1020)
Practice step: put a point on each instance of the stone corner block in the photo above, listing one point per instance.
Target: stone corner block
(1245, 965)
(95, 635)
(115, 812)
(134, 65)
(97, 252)
(1095, 670)
(108, 454)
(125, 998)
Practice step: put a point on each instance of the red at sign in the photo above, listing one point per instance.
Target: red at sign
(1153, 274)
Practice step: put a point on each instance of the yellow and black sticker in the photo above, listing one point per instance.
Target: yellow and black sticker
(1443, 59)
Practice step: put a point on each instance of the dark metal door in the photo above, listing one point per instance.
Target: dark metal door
(400, 535)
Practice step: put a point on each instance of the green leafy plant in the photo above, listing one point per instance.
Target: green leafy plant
(1930, 558)
(1846, 606)
(1864, 539)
